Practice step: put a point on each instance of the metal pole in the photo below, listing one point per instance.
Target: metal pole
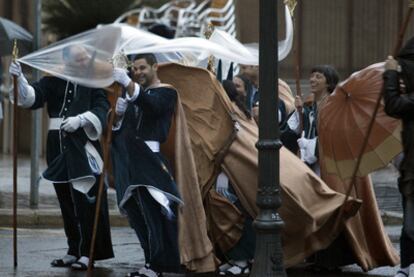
(268, 259)
(36, 140)
(15, 144)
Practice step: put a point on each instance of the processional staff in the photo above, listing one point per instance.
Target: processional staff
(113, 92)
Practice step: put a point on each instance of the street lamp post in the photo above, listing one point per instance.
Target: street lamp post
(36, 131)
(268, 259)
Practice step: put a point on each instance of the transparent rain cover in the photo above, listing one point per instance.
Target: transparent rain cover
(87, 58)
(83, 58)
(226, 40)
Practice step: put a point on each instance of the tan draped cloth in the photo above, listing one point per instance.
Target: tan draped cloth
(223, 139)
(365, 231)
(309, 207)
(196, 249)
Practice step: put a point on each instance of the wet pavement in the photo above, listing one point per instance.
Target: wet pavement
(38, 247)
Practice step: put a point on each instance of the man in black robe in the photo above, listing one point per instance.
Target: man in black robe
(146, 190)
(399, 103)
(77, 116)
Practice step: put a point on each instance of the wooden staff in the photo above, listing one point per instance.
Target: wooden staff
(15, 94)
(298, 62)
(112, 93)
(352, 184)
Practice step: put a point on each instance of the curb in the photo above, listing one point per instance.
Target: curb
(48, 218)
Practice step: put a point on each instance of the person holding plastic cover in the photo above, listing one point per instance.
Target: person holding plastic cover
(399, 103)
(146, 190)
(77, 117)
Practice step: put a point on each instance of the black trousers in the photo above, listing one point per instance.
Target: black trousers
(406, 241)
(245, 247)
(78, 212)
(157, 234)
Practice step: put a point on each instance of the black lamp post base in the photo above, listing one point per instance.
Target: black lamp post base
(268, 246)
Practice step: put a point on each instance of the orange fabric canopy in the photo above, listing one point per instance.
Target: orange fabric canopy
(343, 122)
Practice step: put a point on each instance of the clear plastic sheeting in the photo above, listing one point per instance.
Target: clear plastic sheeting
(200, 48)
(188, 50)
(87, 58)
(133, 38)
(83, 59)
(10, 31)
(226, 40)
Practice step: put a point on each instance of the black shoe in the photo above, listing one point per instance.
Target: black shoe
(134, 274)
(144, 272)
(402, 273)
(138, 274)
(60, 263)
(322, 269)
(236, 270)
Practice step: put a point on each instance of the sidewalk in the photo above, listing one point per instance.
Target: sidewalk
(48, 213)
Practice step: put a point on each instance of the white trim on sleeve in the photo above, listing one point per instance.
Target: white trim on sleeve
(137, 90)
(93, 127)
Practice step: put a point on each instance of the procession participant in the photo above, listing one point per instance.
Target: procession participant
(399, 103)
(247, 85)
(146, 190)
(238, 258)
(245, 89)
(251, 72)
(77, 116)
(353, 244)
(323, 80)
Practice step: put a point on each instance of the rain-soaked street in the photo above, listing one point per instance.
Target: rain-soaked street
(37, 247)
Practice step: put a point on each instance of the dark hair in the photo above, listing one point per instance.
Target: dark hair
(405, 59)
(248, 86)
(246, 81)
(407, 51)
(234, 96)
(162, 30)
(149, 57)
(330, 73)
